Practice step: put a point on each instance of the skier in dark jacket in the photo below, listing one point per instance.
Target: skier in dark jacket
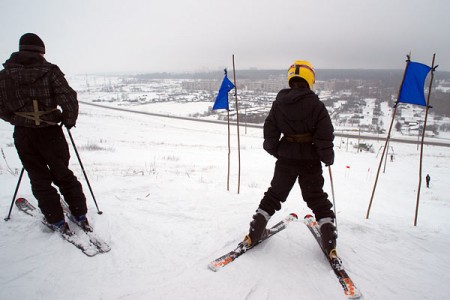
(31, 89)
(299, 133)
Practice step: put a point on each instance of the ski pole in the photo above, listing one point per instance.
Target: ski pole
(332, 195)
(82, 168)
(15, 194)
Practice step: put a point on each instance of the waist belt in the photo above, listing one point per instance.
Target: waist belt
(299, 138)
(36, 114)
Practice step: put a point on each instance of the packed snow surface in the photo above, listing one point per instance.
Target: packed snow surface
(162, 186)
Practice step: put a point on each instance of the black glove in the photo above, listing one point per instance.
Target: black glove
(67, 123)
(69, 126)
(329, 160)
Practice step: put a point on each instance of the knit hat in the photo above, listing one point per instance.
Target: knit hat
(31, 42)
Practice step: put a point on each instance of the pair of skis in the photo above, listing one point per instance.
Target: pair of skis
(82, 238)
(350, 290)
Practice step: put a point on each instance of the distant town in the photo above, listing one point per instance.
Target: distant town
(358, 100)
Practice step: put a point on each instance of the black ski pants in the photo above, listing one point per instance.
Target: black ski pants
(310, 179)
(45, 156)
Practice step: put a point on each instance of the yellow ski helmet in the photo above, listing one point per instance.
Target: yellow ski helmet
(302, 69)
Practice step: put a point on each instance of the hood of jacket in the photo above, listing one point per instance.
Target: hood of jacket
(25, 67)
(293, 103)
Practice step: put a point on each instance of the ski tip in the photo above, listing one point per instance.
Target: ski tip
(21, 200)
(213, 266)
(355, 294)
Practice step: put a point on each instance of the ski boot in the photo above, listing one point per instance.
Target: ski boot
(82, 222)
(61, 227)
(328, 235)
(257, 231)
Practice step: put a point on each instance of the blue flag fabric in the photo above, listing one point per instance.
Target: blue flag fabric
(412, 90)
(222, 97)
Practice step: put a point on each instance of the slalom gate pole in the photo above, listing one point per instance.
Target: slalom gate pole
(229, 150)
(237, 125)
(332, 195)
(386, 144)
(433, 68)
(84, 173)
(15, 194)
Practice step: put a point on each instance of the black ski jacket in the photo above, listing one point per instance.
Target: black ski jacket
(299, 112)
(27, 76)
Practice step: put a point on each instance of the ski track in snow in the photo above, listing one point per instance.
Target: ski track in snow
(161, 184)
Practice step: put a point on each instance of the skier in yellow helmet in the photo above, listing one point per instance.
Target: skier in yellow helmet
(299, 133)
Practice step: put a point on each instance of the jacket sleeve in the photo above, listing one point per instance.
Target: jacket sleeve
(271, 133)
(323, 135)
(65, 97)
(5, 114)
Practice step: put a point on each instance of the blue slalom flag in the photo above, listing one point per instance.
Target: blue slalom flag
(412, 90)
(222, 97)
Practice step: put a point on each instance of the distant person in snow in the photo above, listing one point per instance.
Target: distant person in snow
(428, 178)
(31, 89)
(299, 133)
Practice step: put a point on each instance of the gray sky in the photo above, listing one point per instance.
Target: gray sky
(88, 36)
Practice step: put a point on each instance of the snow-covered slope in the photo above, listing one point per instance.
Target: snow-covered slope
(161, 184)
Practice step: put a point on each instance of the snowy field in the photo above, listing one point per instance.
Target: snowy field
(161, 184)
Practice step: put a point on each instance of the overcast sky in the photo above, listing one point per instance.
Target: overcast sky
(95, 36)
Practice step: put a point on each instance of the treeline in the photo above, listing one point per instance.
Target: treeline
(378, 83)
(388, 77)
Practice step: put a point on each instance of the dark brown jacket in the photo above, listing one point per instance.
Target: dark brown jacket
(27, 76)
(299, 112)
